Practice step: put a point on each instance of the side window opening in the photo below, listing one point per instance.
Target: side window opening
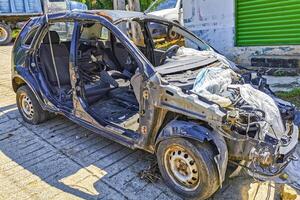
(134, 32)
(64, 31)
(30, 36)
(164, 36)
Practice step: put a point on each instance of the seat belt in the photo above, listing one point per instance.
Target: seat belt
(54, 65)
(45, 9)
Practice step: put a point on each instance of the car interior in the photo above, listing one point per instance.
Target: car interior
(106, 70)
(109, 75)
(61, 57)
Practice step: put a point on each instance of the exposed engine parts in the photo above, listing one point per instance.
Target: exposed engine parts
(245, 121)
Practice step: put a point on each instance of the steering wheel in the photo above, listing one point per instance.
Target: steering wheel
(169, 54)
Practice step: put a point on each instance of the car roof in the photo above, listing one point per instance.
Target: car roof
(113, 15)
(116, 15)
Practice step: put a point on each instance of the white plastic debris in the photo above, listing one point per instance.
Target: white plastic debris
(213, 83)
(262, 101)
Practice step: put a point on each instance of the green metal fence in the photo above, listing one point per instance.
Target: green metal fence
(267, 22)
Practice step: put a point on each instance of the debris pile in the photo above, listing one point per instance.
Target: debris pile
(151, 174)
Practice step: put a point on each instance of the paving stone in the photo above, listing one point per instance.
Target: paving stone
(11, 125)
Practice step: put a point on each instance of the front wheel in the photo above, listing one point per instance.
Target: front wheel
(29, 107)
(188, 167)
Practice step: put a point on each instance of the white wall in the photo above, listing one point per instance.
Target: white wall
(213, 21)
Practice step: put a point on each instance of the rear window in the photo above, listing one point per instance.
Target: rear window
(25, 33)
(29, 38)
(64, 30)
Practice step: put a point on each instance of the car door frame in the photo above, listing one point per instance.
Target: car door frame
(109, 130)
(49, 103)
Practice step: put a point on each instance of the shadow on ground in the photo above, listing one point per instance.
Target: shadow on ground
(60, 160)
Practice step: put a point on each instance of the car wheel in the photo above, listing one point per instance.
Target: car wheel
(29, 107)
(188, 167)
(5, 34)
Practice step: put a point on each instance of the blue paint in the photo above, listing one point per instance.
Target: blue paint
(297, 118)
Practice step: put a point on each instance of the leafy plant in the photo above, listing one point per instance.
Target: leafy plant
(145, 4)
(293, 96)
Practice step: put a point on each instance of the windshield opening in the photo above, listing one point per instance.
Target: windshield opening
(155, 39)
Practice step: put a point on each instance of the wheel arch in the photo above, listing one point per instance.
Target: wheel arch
(194, 131)
(19, 81)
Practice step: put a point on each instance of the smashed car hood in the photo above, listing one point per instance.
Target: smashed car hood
(182, 69)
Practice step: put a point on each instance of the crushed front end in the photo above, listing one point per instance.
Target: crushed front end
(251, 146)
(257, 126)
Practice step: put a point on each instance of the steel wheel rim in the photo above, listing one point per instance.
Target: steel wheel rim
(3, 34)
(182, 168)
(26, 106)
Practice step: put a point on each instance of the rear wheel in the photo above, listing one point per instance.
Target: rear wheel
(29, 107)
(5, 34)
(188, 167)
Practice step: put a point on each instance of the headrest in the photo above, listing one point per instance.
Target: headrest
(54, 38)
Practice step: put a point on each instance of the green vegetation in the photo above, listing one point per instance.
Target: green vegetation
(15, 33)
(98, 4)
(292, 96)
(145, 4)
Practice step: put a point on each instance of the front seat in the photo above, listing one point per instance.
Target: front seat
(61, 57)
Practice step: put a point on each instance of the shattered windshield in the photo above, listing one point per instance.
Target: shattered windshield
(162, 5)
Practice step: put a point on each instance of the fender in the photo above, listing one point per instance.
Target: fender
(28, 79)
(191, 130)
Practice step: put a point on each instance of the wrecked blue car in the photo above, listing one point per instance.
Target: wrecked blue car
(163, 91)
